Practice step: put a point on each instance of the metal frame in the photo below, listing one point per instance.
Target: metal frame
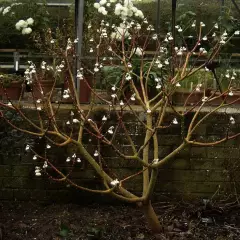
(79, 12)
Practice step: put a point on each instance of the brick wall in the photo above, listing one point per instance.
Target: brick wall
(194, 172)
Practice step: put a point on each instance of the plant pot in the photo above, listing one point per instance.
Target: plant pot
(13, 91)
(227, 98)
(102, 93)
(46, 86)
(180, 97)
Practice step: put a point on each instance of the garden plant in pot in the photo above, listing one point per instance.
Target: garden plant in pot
(113, 76)
(49, 76)
(11, 86)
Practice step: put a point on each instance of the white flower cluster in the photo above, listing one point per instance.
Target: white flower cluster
(180, 50)
(232, 120)
(120, 32)
(110, 130)
(69, 44)
(73, 157)
(60, 66)
(5, 10)
(168, 37)
(203, 50)
(139, 51)
(115, 182)
(66, 93)
(223, 38)
(29, 72)
(23, 25)
(38, 171)
(123, 8)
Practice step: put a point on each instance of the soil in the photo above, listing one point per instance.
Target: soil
(35, 221)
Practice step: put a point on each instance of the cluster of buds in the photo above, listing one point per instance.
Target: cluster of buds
(38, 171)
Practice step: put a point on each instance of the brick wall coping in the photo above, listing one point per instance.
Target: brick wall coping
(232, 109)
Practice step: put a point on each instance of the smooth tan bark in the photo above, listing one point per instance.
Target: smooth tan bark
(151, 218)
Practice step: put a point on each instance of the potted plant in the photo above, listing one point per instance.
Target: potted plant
(194, 89)
(45, 79)
(11, 86)
(113, 77)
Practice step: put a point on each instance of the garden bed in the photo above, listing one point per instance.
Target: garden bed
(22, 221)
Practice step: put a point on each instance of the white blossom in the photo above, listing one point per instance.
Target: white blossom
(133, 97)
(26, 31)
(232, 120)
(166, 62)
(175, 121)
(30, 21)
(45, 165)
(95, 153)
(21, 24)
(139, 51)
(104, 118)
(110, 130)
(154, 36)
(128, 76)
(75, 120)
(27, 148)
(6, 10)
(115, 182)
(96, 5)
(204, 38)
(38, 171)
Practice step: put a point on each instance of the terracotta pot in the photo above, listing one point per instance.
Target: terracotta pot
(104, 94)
(46, 86)
(235, 98)
(179, 98)
(13, 91)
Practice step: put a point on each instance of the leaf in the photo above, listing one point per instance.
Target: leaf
(64, 231)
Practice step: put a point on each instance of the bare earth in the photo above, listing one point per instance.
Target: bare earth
(28, 221)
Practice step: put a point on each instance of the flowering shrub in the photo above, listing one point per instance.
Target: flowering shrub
(24, 26)
(124, 43)
(22, 21)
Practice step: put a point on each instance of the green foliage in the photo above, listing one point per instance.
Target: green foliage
(64, 231)
(203, 77)
(10, 36)
(44, 18)
(7, 79)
